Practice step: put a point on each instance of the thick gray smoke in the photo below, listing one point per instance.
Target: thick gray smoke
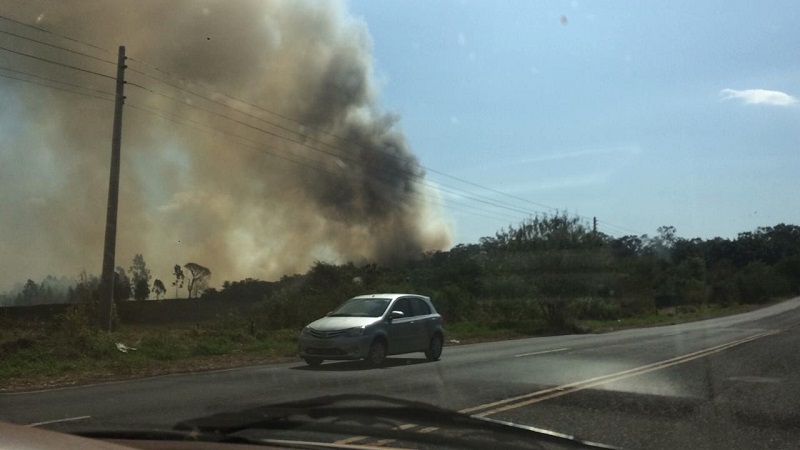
(189, 193)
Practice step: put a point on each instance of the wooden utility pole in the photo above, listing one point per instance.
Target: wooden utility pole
(110, 245)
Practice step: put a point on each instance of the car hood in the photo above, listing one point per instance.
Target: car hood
(341, 323)
(366, 417)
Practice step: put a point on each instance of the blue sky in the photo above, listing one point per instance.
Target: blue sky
(641, 114)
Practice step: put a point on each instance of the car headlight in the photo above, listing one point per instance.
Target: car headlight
(353, 332)
(306, 331)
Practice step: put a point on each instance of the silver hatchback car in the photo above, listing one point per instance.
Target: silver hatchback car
(370, 327)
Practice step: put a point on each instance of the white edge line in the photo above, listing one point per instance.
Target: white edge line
(542, 352)
(68, 419)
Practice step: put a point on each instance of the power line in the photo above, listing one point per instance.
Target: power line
(496, 191)
(261, 148)
(461, 193)
(56, 87)
(56, 81)
(618, 227)
(471, 196)
(406, 159)
(243, 123)
(410, 160)
(171, 98)
(355, 161)
(56, 34)
(210, 130)
(58, 47)
(213, 91)
(58, 63)
(474, 213)
(225, 105)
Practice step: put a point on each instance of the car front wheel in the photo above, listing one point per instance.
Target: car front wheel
(434, 350)
(377, 353)
(313, 362)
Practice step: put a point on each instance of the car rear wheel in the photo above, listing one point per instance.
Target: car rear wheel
(377, 353)
(434, 350)
(313, 362)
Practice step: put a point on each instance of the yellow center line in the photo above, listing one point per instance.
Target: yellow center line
(558, 391)
(404, 427)
(68, 419)
(350, 440)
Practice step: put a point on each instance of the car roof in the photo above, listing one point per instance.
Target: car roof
(391, 296)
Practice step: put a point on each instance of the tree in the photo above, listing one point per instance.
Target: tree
(140, 278)
(179, 278)
(29, 295)
(199, 281)
(626, 246)
(158, 288)
(546, 232)
(122, 285)
(662, 245)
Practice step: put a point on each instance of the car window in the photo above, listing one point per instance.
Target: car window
(419, 307)
(403, 306)
(361, 307)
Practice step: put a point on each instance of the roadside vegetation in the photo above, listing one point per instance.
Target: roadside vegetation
(548, 275)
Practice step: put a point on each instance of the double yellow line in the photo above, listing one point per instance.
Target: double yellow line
(546, 394)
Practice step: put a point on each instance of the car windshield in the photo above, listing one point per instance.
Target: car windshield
(362, 307)
(572, 216)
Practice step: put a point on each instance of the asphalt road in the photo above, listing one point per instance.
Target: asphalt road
(725, 383)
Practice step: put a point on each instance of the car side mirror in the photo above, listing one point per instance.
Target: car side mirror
(396, 315)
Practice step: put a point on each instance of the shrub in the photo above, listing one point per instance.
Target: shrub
(597, 309)
(213, 345)
(559, 314)
(163, 347)
(758, 283)
(454, 304)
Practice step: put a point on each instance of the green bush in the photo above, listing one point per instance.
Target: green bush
(454, 304)
(213, 345)
(789, 269)
(162, 347)
(724, 293)
(588, 308)
(74, 333)
(559, 314)
(637, 306)
(758, 283)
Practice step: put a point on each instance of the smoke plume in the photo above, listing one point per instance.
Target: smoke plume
(322, 174)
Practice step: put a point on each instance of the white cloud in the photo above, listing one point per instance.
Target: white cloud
(629, 150)
(759, 97)
(560, 183)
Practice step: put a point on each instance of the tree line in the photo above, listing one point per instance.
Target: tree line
(552, 268)
(133, 284)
